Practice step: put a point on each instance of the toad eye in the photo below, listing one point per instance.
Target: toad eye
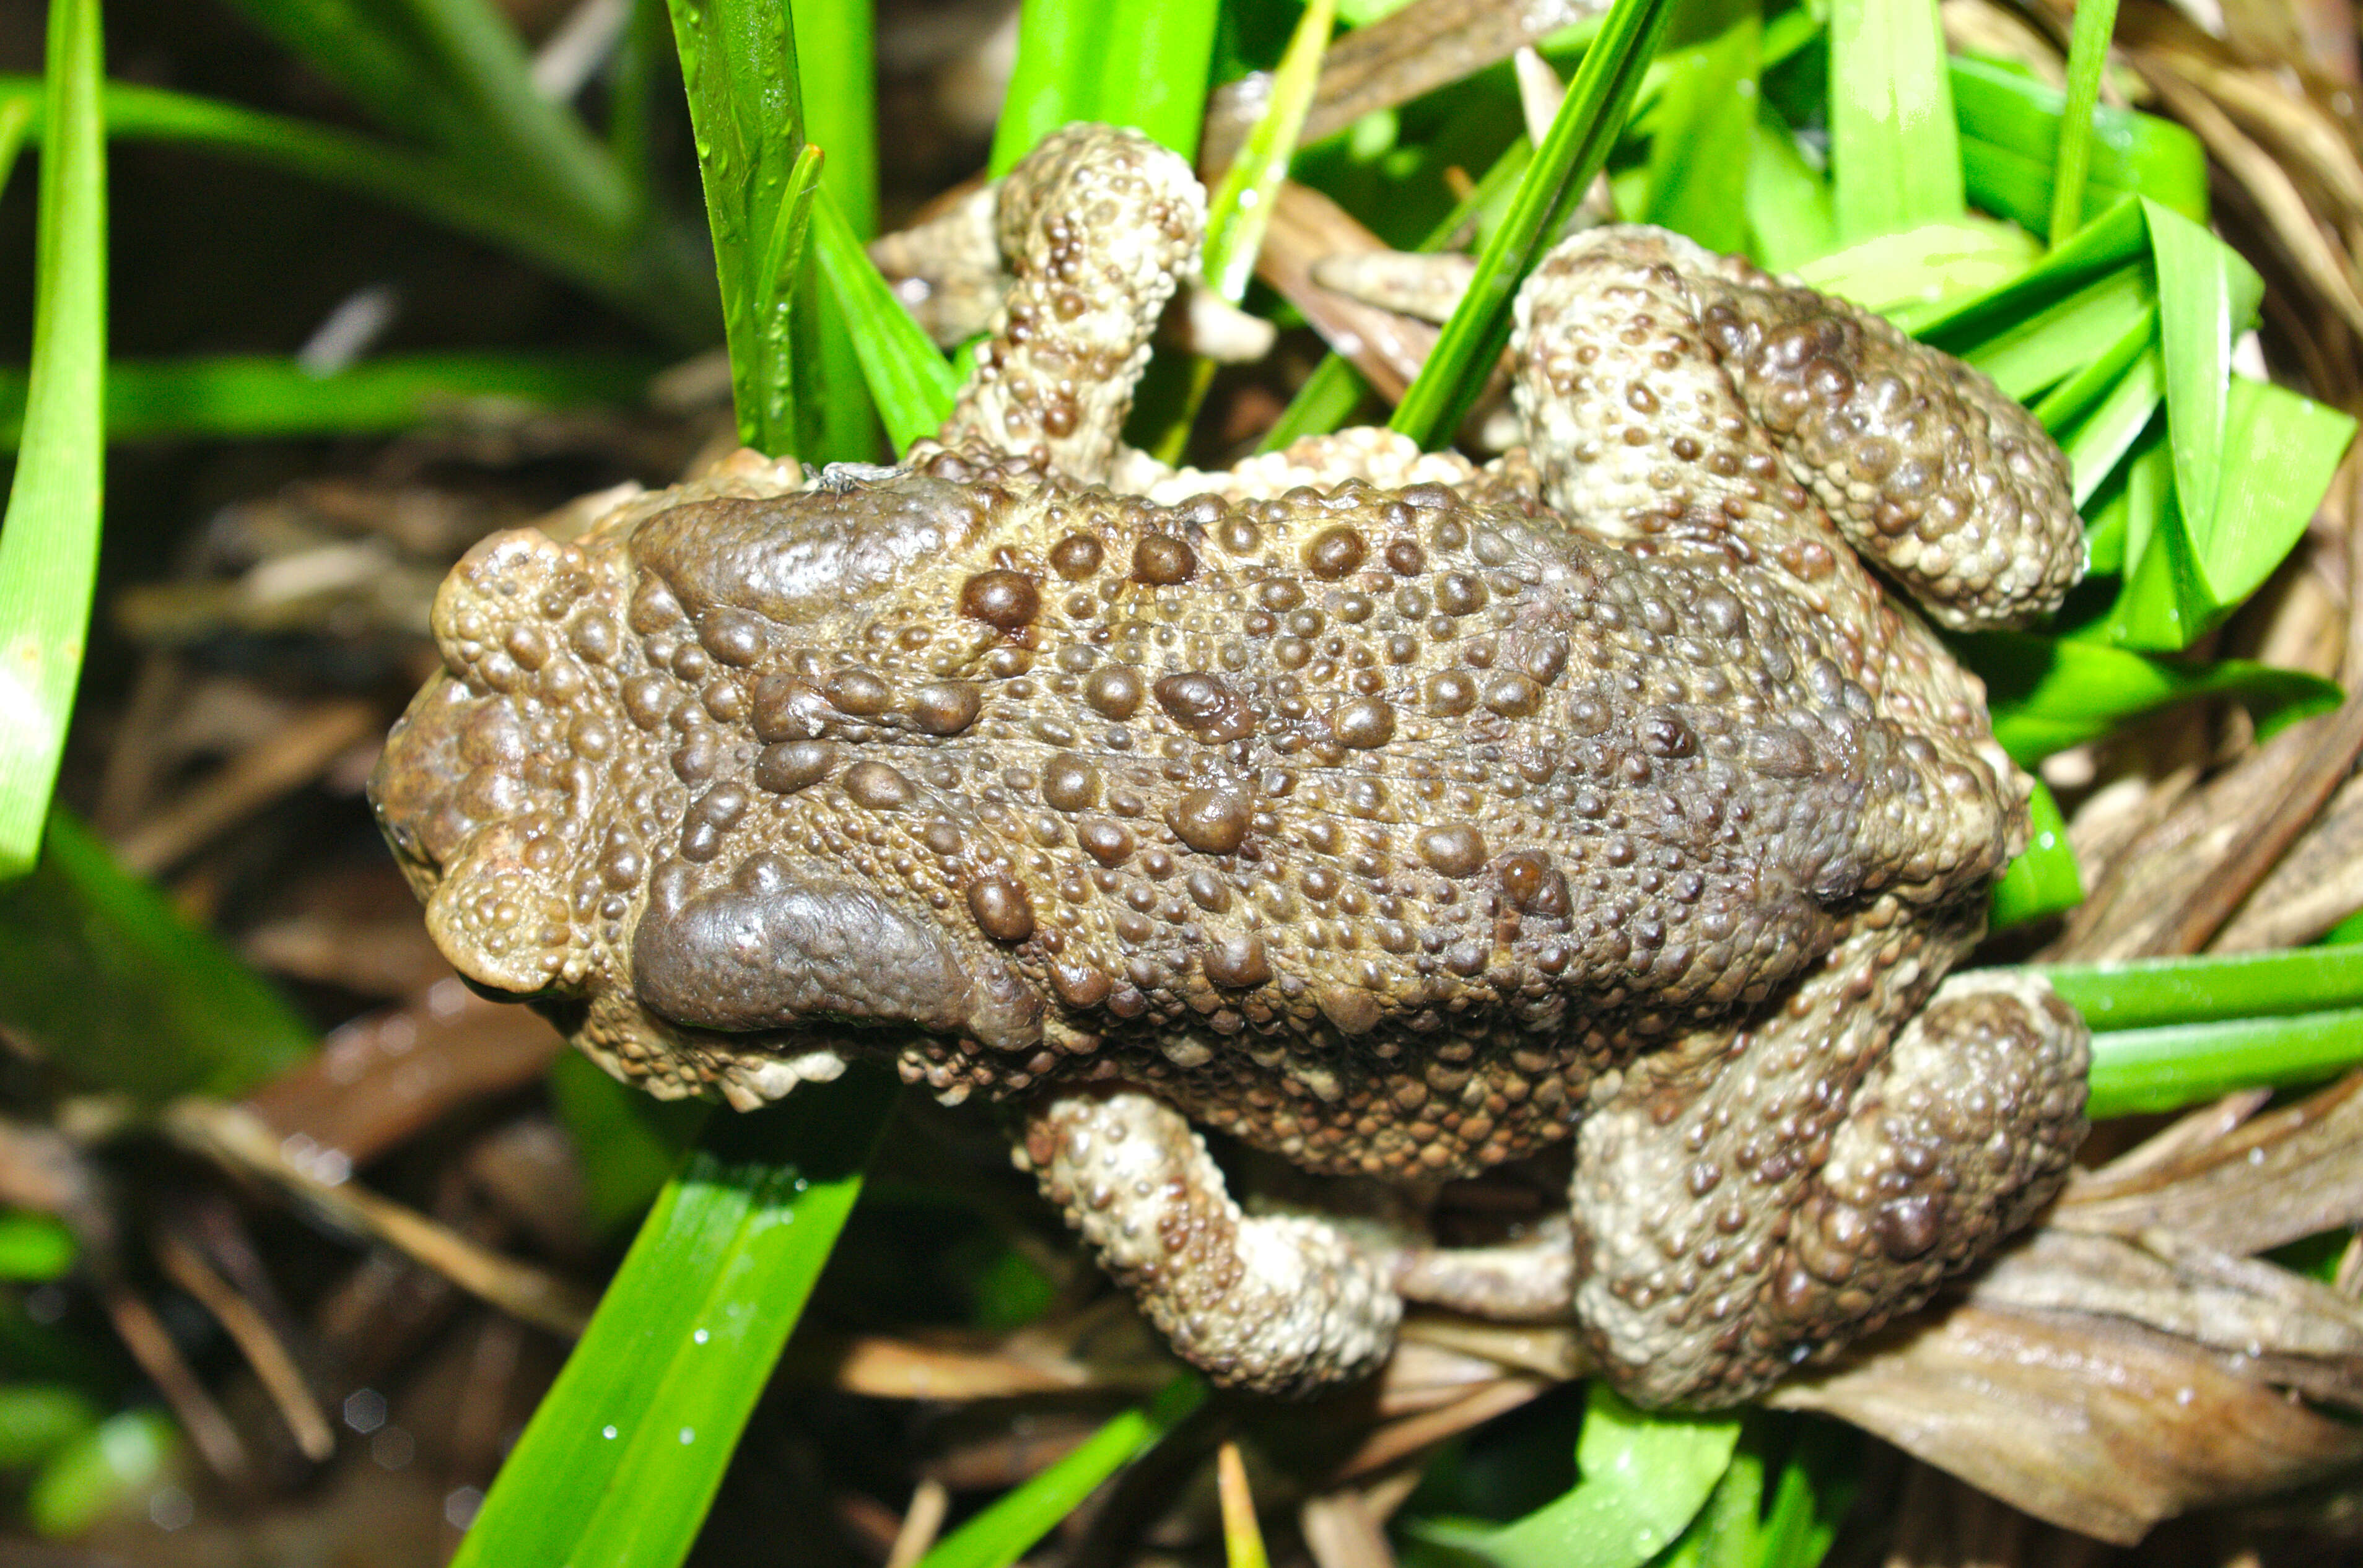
(495, 994)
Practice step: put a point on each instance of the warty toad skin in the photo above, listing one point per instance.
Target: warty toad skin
(1396, 816)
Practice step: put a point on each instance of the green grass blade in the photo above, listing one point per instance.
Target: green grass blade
(739, 62)
(1142, 64)
(911, 382)
(34, 1246)
(1596, 103)
(1642, 1477)
(1009, 1528)
(454, 72)
(1913, 271)
(2067, 403)
(654, 285)
(2280, 452)
(100, 1472)
(2138, 1070)
(1054, 83)
(2044, 879)
(2120, 424)
(2048, 693)
(2120, 238)
(239, 397)
(107, 981)
(620, 1462)
(632, 78)
(452, 75)
(2045, 349)
(2088, 56)
(840, 107)
(1239, 209)
(1155, 56)
(1697, 186)
(2010, 140)
(1895, 151)
(1790, 221)
(1329, 396)
(16, 122)
(38, 1419)
(49, 544)
(2207, 297)
(2143, 993)
(1326, 401)
(382, 71)
(1238, 213)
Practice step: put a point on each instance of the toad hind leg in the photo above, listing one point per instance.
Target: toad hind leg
(1278, 1304)
(1668, 392)
(1729, 1226)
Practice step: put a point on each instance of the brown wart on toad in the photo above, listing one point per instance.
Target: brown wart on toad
(1393, 815)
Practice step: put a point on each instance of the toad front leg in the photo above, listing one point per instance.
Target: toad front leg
(1751, 1197)
(1277, 1303)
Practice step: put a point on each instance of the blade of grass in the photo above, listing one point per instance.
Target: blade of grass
(1596, 104)
(2280, 452)
(1242, 1540)
(1239, 210)
(2207, 297)
(1787, 200)
(34, 1246)
(100, 1471)
(38, 1419)
(645, 48)
(1142, 64)
(621, 1461)
(2140, 1070)
(15, 121)
(455, 73)
(1238, 213)
(1335, 389)
(2044, 879)
(739, 64)
(1054, 82)
(2146, 992)
(1896, 149)
(840, 108)
(1009, 1528)
(1642, 1476)
(1326, 401)
(911, 382)
(107, 981)
(238, 397)
(1913, 271)
(49, 544)
(1696, 186)
(1154, 57)
(2040, 350)
(2010, 140)
(2088, 56)
(2124, 424)
(2052, 692)
(656, 283)
(2119, 239)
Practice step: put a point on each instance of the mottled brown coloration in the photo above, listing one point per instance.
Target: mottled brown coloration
(1393, 816)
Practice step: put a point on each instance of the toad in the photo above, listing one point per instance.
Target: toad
(1395, 815)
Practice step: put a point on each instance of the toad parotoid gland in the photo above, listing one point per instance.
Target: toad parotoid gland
(1393, 815)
